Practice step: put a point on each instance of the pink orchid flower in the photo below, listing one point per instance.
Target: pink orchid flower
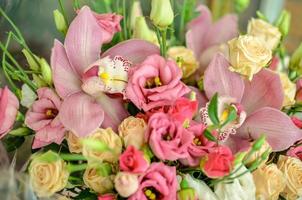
(9, 106)
(205, 37)
(83, 112)
(260, 98)
(43, 118)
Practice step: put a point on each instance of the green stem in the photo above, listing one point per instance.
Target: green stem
(75, 168)
(63, 11)
(182, 19)
(164, 42)
(159, 40)
(125, 21)
(72, 157)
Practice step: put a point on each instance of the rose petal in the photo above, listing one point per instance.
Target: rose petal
(65, 79)
(134, 50)
(265, 90)
(280, 131)
(218, 78)
(81, 114)
(83, 41)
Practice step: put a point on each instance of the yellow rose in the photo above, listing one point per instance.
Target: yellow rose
(132, 130)
(94, 180)
(186, 59)
(108, 137)
(269, 182)
(292, 170)
(248, 55)
(48, 174)
(264, 30)
(289, 89)
(258, 154)
(74, 143)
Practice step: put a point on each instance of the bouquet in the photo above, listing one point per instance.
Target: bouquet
(171, 105)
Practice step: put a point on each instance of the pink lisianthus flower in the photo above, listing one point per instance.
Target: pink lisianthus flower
(261, 99)
(295, 152)
(167, 138)
(183, 109)
(85, 106)
(107, 197)
(133, 161)
(9, 106)
(199, 147)
(297, 121)
(159, 180)
(154, 83)
(218, 163)
(43, 118)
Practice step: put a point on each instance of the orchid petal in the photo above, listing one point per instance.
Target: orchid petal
(83, 41)
(133, 50)
(265, 90)
(198, 28)
(280, 131)
(218, 78)
(65, 79)
(81, 114)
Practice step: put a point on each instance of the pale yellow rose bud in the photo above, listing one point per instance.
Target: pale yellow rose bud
(132, 130)
(46, 71)
(97, 182)
(74, 143)
(136, 11)
(289, 90)
(292, 170)
(60, 21)
(248, 55)
(32, 60)
(161, 13)
(126, 183)
(48, 174)
(269, 182)
(109, 138)
(142, 31)
(185, 59)
(264, 30)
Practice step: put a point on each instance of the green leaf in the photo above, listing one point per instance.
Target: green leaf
(86, 195)
(23, 131)
(260, 15)
(213, 110)
(48, 157)
(209, 135)
(12, 143)
(231, 117)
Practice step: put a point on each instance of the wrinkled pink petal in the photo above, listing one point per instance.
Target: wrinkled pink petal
(218, 78)
(81, 114)
(265, 90)
(65, 79)
(134, 50)
(83, 41)
(9, 106)
(280, 131)
(48, 135)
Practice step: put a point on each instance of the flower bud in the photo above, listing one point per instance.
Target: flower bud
(295, 63)
(32, 60)
(258, 143)
(60, 21)
(186, 194)
(241, 5)
(161, 13)
(46, 71)
(142, 31)
(136, 11)
(39, 81)
(283, 22)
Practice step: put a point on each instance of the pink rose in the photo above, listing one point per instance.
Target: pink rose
(43, 118)
(107, 197)
(168, 139)
(132, 160)
(295, 152)
(159, 181)
(155, 83)
(183, 109)
(297, 122)
(218, 162)
(200, 145)
(9, 106)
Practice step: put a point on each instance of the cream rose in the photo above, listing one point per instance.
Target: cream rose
(94, 180)
(132, 130)
(264, 30)
(269, 182)
(74, 143)
(186, 59)
(248, 55)
(108, 137)
(289, 89)
(126, 183)
(292, 170)
(48, 174)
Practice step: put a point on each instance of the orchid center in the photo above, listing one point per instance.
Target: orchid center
(51, 113)
(153, 82)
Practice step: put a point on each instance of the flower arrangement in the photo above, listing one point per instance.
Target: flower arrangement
(146, 111)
